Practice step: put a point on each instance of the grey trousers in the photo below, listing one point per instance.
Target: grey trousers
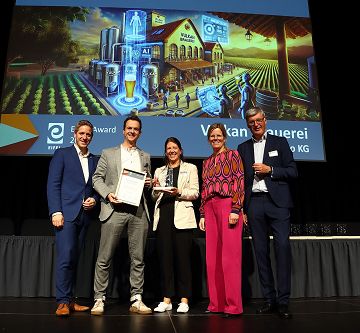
(111, 229)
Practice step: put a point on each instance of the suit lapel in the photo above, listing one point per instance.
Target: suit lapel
(91, 164)
(182, 175)
(249, 158)
(143, 163)
(251, 152)
(76, 162)
(267, 148)
(142, 160)
(117, 157)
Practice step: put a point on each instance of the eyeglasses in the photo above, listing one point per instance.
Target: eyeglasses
(257, 121)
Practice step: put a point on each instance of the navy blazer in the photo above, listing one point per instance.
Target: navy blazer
(66, 187)
(278, 155)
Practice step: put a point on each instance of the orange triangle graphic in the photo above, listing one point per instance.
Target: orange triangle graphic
(19, 121)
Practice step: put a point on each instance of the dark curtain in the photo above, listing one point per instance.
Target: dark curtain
(27, 266)
(321, 268)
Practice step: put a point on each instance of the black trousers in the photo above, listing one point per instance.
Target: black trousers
(174, 251)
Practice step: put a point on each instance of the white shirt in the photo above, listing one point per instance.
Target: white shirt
(259, 147)
(130, 158)
(84, 162)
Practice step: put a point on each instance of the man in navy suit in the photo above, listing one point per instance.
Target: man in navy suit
(269, 166)
(71, 198)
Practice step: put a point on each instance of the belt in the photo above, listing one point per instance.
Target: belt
(259, 194)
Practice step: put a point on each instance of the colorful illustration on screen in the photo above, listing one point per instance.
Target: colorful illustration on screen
(115, 61)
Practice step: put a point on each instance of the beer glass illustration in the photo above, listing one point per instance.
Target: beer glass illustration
(130, 81)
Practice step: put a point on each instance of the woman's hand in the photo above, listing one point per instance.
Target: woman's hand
(202, 224)
(173, 191)
(233, 218)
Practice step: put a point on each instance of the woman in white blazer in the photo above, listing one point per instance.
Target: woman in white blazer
(176, 185)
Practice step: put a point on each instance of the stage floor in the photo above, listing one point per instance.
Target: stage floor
(309, 315)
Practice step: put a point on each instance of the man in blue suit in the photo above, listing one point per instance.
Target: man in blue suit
(269, 166)
(71, 198)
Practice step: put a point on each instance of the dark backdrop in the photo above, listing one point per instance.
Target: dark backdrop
(326, 192)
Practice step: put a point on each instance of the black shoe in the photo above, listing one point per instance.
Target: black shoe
(284, 312)
(213, 312)
(266, 309)
(231, 315)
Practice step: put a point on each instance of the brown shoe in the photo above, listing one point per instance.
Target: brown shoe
(63, 310)
(79, 308)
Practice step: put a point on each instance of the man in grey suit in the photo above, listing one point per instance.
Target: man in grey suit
(116, 215)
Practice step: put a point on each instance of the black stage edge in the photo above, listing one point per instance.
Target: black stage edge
(332, 315)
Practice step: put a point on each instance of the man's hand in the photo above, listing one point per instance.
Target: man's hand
(261, 169)
(245, 219)
(57, 220)
(89, 203)
(113, 199)
(148, 182)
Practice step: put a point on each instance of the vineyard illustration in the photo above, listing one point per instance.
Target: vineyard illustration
(61, 61)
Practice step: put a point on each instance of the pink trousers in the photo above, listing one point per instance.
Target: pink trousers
(223, 257)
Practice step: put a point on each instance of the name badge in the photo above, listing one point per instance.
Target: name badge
(273, 153)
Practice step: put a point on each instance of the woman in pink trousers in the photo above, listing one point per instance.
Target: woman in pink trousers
(221, 215)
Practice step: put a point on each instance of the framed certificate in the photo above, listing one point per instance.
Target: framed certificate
(130, 186)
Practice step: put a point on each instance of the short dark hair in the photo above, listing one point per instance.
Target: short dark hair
(178, 143)
(214, 126)
(132, 117)
(84, 122)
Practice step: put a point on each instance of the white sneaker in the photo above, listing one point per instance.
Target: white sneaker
(139, 307)
(98, 308)
(183, 308)
(162, 307)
